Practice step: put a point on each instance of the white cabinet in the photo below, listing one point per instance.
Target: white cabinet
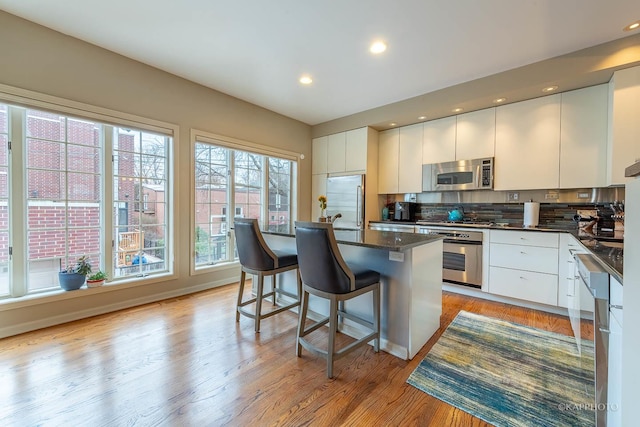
(388, 156)
(524, 265)
(356, 150)
(569, 246)
(341, 152)
(336, 152)
(623, 144)
(410, 159)
(476, 134)
(614, 391)
(400, 165)
(528, 144)
(319, 155)
(583, 138)
(439, 141)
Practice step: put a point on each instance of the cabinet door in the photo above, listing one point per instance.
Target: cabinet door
(624, 148)
(525, 285)
(476, 134)
(336, 152)
(530, 258)
(528, 145)
(318, 187)
(319, 155)
(439, 141)
(388, 151)
(583, 138)
(356, 150)
(410, 159)
(614, 386)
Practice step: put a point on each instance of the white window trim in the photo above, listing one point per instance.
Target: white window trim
(35, 100)
(197, 135)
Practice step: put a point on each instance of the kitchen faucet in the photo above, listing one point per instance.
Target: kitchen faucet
(336, 216)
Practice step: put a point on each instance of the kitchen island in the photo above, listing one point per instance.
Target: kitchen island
(410, 266)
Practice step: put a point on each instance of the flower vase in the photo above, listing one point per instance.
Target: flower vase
(323, 216)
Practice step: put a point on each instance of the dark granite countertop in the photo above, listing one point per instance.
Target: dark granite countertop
(389, 240)
(605, 245)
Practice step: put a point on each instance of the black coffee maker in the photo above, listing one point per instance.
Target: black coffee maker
(403, 211)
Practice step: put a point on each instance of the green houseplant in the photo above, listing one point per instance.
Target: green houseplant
(74, 276)
(96, 279)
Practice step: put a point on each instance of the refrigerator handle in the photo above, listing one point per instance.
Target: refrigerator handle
(359, 205)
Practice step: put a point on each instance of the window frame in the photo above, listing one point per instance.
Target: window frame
(200, 136)
(26, 99)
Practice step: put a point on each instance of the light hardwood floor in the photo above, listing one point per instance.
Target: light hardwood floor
(186, 362)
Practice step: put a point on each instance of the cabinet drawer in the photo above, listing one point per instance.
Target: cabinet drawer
(527, 238)
(530, 258)
(525, 285)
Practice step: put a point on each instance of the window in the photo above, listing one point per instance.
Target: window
(261, 188)
(77, 200)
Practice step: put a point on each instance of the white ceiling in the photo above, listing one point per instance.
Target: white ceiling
(256, 50)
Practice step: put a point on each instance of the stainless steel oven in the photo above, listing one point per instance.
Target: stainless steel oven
(461, 255)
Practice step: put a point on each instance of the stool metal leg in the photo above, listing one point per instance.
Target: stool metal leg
(376, 318)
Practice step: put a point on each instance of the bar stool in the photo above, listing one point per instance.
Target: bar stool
(257, 258)
(325, 274)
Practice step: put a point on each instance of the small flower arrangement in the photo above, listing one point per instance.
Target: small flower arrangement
(323, 202)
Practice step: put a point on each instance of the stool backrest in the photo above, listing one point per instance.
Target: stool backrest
(319, 260)
(252, 249)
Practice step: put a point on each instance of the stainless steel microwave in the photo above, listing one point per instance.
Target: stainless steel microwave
(476, 174)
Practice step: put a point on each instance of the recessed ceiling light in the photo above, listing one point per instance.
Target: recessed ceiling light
(549, 88)
(457, 110)
(392, 124)
(378, 47)
(422, 117)
(632, 26)
(499, 100)
(306, 80)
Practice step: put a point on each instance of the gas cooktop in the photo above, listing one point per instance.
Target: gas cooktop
(457, 223)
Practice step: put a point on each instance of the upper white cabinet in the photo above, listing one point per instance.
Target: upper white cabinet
(356, 149)
(336, 152)
(319, 155)
(623, 146)
(439, 141)
(476, 134)
(583, 138)
(528, 144)
(410, 159)
(400, 160)
(341, 152)
(388, 156)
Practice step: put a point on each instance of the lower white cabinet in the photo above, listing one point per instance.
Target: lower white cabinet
(526, 285)
(524, 265)
(569, 246)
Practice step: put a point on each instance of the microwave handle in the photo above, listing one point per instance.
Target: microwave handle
(478, 177)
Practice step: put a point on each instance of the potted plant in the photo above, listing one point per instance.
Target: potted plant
(74, 276)
(96, 279)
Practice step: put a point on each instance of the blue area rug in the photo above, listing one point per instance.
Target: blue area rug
(510, 375)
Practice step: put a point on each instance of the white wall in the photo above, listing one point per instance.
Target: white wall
(38, 59)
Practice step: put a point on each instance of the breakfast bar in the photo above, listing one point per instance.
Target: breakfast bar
(410, 266)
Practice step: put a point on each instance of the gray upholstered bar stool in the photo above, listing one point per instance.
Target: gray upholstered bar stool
(326, 274)
(257, 258)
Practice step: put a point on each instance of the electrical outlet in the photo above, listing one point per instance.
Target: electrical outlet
(513, 196)
(552, 196)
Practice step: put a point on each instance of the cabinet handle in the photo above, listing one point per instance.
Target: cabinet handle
(523, 252)
(604, 330)
(619, 307)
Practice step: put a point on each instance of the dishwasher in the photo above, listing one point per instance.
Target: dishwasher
(593, 281)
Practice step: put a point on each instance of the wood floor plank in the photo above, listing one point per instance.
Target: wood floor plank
(185, 361)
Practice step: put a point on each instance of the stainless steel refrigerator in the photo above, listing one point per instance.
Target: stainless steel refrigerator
(345, 196)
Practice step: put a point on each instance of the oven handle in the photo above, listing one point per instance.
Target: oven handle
(462, 242)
